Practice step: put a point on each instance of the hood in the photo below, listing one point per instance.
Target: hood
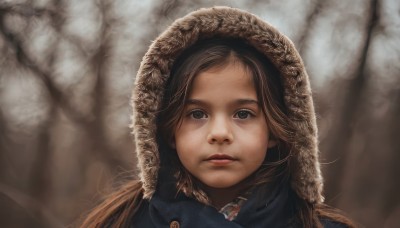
(155, 68)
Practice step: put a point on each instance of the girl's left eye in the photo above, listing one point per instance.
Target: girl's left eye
(243, 114)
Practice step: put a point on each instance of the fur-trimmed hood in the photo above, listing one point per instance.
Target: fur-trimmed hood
(155, 68)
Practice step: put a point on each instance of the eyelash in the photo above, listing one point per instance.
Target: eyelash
(248, 113)
(191, 114)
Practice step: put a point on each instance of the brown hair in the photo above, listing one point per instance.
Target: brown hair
(117, 208)
(206, 54)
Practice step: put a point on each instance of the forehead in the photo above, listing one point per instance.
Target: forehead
(229, 80)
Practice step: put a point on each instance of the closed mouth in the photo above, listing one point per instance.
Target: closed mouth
(220, 157)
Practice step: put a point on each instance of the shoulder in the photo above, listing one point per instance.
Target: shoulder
(332, 224)
(142, 216)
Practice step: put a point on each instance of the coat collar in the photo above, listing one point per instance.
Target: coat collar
(265, 208)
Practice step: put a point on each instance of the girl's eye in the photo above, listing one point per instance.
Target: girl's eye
(198, 114)
(243, 114)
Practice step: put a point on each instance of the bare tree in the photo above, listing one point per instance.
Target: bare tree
(67, 71)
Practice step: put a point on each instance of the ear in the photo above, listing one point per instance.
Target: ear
(272, 142)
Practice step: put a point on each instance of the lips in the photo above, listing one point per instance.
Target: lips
(220, 159)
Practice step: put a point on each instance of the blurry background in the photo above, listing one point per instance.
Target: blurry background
(66, 74)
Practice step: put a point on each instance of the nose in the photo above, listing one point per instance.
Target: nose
(220, 131)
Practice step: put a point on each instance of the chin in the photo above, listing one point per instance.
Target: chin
(221, 185)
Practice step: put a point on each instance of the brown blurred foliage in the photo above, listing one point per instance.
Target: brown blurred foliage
(67, 71)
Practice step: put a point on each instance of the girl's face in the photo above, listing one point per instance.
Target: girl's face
(223, 137)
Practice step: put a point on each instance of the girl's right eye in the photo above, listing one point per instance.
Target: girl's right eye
(198, 114)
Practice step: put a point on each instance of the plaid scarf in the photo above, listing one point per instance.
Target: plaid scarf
(231, 210)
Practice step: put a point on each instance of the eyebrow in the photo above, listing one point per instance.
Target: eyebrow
(238, 101)
(247, 101)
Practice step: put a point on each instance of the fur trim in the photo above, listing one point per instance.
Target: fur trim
(228, 22)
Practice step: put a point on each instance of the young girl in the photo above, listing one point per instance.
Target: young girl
(225, 132)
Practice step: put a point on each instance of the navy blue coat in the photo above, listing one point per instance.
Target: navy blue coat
(262, 209)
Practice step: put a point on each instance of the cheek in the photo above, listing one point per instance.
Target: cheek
(186, 156)
(256, 138)
(188, 135)
(257, 149)
(185, 142)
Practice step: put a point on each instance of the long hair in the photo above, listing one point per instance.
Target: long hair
(121, 207)
(117, 208)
